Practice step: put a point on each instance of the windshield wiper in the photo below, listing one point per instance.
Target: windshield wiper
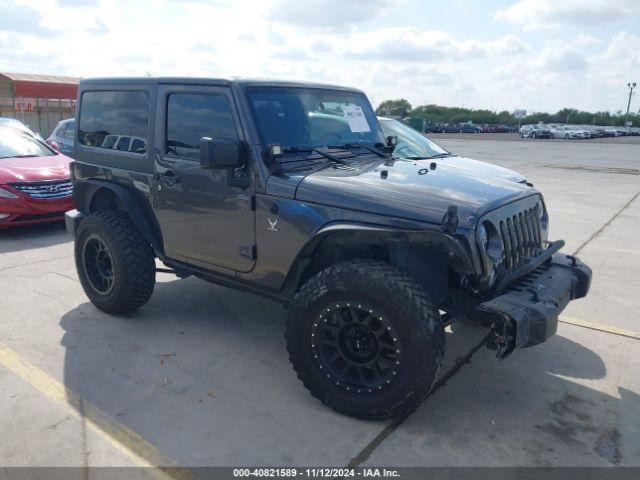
(348, 146)
(333, 158)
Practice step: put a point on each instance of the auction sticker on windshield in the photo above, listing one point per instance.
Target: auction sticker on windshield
(356, 119)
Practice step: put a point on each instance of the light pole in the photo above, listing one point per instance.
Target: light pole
(631, 87)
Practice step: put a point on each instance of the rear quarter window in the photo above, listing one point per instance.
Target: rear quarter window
(106, 116)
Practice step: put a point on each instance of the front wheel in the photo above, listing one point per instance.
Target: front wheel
(364, 339)
(115, 264)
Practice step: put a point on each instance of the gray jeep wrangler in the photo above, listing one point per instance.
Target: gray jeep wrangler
(292, 191)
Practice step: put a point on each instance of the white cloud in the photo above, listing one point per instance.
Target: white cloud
(21, 18)
(414, 45)
(583, 69)
(537, 14)
(588, 40)
(564, 74)
(329, 13)
(562, 58)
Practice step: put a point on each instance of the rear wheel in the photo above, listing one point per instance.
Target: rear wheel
(364, 339)
(116, 265)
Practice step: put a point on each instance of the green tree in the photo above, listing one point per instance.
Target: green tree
(440, 114)
(400, 108)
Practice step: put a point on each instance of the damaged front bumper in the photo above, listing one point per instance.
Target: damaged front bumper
(526, 314)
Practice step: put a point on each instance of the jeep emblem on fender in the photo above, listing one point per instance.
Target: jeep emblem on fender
(272, 225)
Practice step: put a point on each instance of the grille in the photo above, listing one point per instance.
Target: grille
(521, 235)
(46, 190)
(519, 232)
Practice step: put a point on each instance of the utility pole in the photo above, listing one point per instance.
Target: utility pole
(631, 87)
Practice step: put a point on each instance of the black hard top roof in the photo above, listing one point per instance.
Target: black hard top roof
(243, 82)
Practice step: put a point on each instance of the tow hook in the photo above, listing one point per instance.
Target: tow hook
(502, 339)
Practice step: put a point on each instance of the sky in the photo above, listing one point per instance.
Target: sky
(539, 55)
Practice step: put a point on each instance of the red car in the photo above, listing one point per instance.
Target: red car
(35, 184)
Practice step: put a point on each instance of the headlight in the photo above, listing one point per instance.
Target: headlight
(491, 242)
(483, 237)
(6, 194)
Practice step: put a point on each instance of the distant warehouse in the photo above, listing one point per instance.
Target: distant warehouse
(39, 101)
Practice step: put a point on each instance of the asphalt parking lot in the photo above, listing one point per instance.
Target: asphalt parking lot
(200, 376)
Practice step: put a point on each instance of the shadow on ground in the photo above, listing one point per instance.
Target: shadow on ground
(551, 405)
(202, 373)
(33, 236)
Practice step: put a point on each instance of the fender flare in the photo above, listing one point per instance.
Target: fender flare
(454, 246)
(137, 208)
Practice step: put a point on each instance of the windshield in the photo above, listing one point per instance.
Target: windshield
(411, 143)
(305, 117)
(16, 124)
(16, 144)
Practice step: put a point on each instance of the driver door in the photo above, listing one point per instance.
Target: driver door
(204, 219)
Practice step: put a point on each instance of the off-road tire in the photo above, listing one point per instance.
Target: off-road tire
(406, 306)
(132, 258)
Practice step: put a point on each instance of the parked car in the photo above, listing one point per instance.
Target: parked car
(535, 131)
(557, 131)
(574, 131)
(525, 130)
(309, 208)
(35, 184)
(450, 128)
(16, 124)
(492, 128)
(469, 128)
(567, 132)
(433, 128)
(63, 136)
(412, 145)
(461, 128)
(596, 131)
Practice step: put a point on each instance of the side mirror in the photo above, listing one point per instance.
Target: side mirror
(219, 152)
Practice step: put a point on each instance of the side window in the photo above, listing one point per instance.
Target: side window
(193, 116)
(138, 145)
(59, 130)
(109, 119)
(68, 131)
(123, 144)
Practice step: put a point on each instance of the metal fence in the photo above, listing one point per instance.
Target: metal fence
(40, 114)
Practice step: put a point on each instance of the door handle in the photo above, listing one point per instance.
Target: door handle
(169, 177)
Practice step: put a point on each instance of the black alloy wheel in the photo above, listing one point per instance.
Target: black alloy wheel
(356, 347)
(98, 264)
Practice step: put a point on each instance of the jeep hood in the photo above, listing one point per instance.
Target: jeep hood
(411, 189)
(483, 168)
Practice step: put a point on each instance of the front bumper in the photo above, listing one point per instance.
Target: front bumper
(72, 220)
(25, 210)
(527, 313)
